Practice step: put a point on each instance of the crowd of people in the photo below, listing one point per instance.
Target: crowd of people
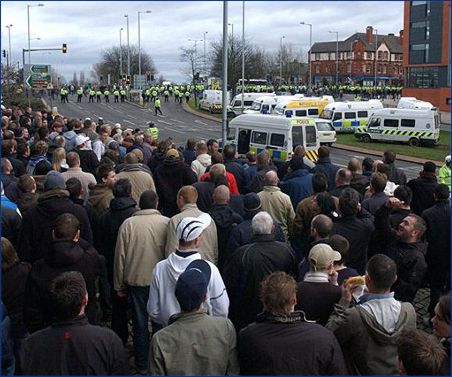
(205, 263)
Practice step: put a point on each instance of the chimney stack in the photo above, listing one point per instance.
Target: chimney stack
(369, 33)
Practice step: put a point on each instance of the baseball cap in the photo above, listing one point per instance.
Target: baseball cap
(447, 159)
(172, 153)
(190, 228)
(54, 179)
(80, 139)
(322, 255)
(117, 125)
(251, 202)
(191, 287)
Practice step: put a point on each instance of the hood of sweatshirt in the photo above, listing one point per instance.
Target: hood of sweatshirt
(178, 264)
(204, 159)
(120, 204)
(98, 193)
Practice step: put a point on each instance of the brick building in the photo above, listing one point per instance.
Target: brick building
(357, 59)
(427, 52)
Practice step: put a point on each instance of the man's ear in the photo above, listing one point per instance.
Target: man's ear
(77, 236)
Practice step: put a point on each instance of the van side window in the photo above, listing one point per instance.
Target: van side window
(259, 137)
(313, 111)
(300, 113)
(311, 136)
(277, 140)
(374, 122)
(391, 123)
(337, 116)
(362, 114)
(349, 115)
(407, 123)
(297, 136)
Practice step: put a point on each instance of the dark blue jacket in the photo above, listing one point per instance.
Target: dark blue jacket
(298, 185)
(325, 166)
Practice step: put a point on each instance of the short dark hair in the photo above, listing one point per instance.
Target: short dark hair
(122, 188)
(367, 164)
(444, 307)
(149, 200)
(420, 353)
(341, 245)
(66, 226)
(324, 152)
(9, 254)
(429, 167)
(67, 291)
(251, 156)
(378, 182)
(211, 141)
(326, 203)
(103, 170)
(382, 270)
(26, 183)
(74, 186)
(319, 182)
(322, 224)
(296, 163)
(384, 169)
(348, 202)
(229, 151)
(277, 291)
(389, 157)
(420, 225)
(442, 192)
(404, 194)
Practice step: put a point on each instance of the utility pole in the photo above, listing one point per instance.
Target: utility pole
(224, 110)
(309, 55)
(205, 69)
(280, 59)
(120, 53)
(128, 46)
(139, 46)
(243, 54)
(376, 59)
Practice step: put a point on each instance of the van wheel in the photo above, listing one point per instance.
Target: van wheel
(414, 142)
(366, 138)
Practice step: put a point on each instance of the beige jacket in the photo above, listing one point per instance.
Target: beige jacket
(139, 247)
(141, 182)
(279, 206)
(85, 178)
(209, 246)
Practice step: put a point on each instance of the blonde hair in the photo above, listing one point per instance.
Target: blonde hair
(58, 157)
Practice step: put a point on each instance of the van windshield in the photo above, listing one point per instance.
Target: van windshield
(297, 136)
(279, 110)
(256, 106)
(311, 136)
(326, 114)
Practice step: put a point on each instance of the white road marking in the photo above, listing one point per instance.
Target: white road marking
(127, 121)
(162, 121)
(179, 132)
(131, 116)
(203, 123)
(178, 121)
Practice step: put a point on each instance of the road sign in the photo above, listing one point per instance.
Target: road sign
(139, 81)
(38, 75)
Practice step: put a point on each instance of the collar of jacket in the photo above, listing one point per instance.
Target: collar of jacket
(186, 315)
(80, 320)
(297, 316)
(374, 296)
(324, 160)
(428, 176)
(263, 237)
(146, 212)
(271, 188)
(189, 206)
(54, 193)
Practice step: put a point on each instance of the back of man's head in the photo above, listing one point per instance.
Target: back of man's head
(216, 158)
(389, 157)
(367, 164)
(341, 245)
(216, 170)
(278, 293)
(251, 157)
(201, 148)
(229, 151)
(74, 186)
(221, 195)
(131, 158)
(73, 159)
(404, 194)
(262, 223)
(419, 225)
(188, 194)
(378, 182)
(271, 178)
(148, 200)
(323, 225)
(319, 182)
(122, 188)
(442, 192)
(296, 163)
(429, 167)
(382, 270)
(324, 152)
(343, 177)
(348, 202)
(26, 183)
(420, 354)
(299, 151)
(66, 227)
(384, 169)
(67, 292)
(263, 158)
(353, 165)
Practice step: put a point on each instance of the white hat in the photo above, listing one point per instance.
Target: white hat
(190, 228)
(322, 255)
(117, 125)
(447, 159)
(80, 139)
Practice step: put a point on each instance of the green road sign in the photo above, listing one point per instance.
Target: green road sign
(38, 75)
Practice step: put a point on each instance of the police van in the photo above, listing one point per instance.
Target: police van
(302, 107)
(235, 106)
(212, 100)
(346, 116)
(279, 135)
(413, 103)
(413, 126)
(266, 104)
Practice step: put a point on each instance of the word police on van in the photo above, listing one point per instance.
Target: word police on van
(413, 126)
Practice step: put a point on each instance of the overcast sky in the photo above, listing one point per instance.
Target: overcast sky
(88, 27)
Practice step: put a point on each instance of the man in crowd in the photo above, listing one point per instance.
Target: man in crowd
(74, 171)
(396, 175)
(325, 166)
(367, 331)
(298, 182)
(282, 341)
(423, 188)
(101, 194)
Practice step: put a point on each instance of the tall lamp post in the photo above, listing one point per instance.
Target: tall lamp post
(280, 58)
(243, 54)
(337, 53)
(28, 21)
(309, 54)
(139, 45)
(120, 53)
(128, 46)
(204, 68)
(8, 60)
(376, 46)
(232, 37)
(351, 57)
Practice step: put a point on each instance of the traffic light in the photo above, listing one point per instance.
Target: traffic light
(4, 53)
(124, 77)
(64, 48)
(128, 80)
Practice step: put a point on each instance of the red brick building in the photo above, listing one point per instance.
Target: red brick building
(357, 59)
(426, 49)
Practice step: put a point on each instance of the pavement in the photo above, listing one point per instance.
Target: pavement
(338, 146)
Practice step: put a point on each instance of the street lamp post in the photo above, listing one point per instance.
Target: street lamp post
(309, 55)
(376, 46)
(139, 45)
(128, 46)
(232, 37)
(204, 68)
(8, 60)
(337, 53)
(120, 53)
(280, 58)
(243, 54)
(351, 57)
(28, 21)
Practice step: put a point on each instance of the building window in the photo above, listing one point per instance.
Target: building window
(422, 77)
(380, 55)
(385, 55)
(414, 3)
(368, 68)
(317, 69)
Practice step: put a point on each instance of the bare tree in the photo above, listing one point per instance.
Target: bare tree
(194, 63)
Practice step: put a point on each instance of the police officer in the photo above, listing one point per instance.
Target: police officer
(62, 95)
(79, 94)
(166, 94)
(181, 96)
(187, 95)
(99, 95)
(92, 94)
(122, 92)
(153, 131)
(107, 95)
(157, 106)
(148, 94)
(116, 94)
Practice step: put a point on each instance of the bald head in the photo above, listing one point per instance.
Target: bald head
(271, 178)
(221, 195)
(354, 165)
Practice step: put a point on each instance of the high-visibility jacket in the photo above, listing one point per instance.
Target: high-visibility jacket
(92, 92)
(116, 93)
(154, 132)
(99, 93)
(123, 92)
(157, 103)
(80, 91)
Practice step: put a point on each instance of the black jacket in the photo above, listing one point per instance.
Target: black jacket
(11, 224)
(74, 348)
(37, 224)
(109, 224)
(63, 256)
(423, 189)
(246, 269)
(241, 176)
(12, 191)
(18, 166)
(205, 191)
(325, 166)
(360, 182)
(396, 175)
(88, 161)
(289, 346)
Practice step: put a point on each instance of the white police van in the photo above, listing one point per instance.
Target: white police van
(413, 126)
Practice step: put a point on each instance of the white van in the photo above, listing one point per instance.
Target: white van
(413, 126)
(413, 103)
(212, 100)
(266, 104)
(279, 135)
(248, 98)
(302, 107)
(346, 116)
(327, 133)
